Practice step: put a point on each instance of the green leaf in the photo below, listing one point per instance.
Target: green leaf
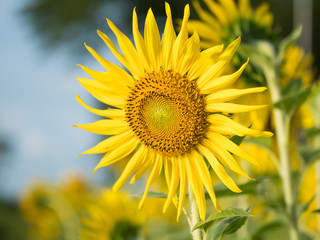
(292, 87)
(304, 206)
(312, 132)
(290, 103)
(223, 215)
(151, 194)
(293, 36)
(309, 155)
(257, 58)
(316, 211)
(260, 141)
(236, 224)
(265, 48)
(273, 230)
(228, 224)
(247, 188)
(237, 139)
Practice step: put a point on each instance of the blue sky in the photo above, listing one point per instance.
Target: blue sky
(38, 109)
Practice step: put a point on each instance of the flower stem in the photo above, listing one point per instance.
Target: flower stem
(317, 163)
(317, 166)
(282, 125)
(195, 218)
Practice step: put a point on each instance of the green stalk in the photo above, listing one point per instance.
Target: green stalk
(317, 163)
(195, 218)
(282, 123)
(317, 166)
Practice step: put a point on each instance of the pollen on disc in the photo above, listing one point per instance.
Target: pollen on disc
(166, 112)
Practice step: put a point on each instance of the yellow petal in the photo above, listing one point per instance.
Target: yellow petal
(109, 113)
(222, 82)
(105, 126)
(108, 80)
(153, 176)
(167, 164)
(197, 187)
(152, 40)
(179, 44)
(128, 50)
(132, 165)
(232, 147)
(261, 10)
(116, 53)
(219, 169)
(221, 65)
(103, 88)
(168, 38)
(117, 154)
(111, 67)
(205, 177)
(224, 156)
(110, 143)
(139, 42)
(183, 185)
(232, 107)
(204, 62)
(205, 30)
(102, 94)
(174, 183)
(216, 9)
(225, 125)
(245, 9)
(148, 161)
(229, 8)
(191, 54)
(231, 94)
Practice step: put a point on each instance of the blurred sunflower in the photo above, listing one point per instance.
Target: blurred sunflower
(307, 192)
(112, 216)
(224, 20)
(295, 65)
(171, 111)
(43, 220)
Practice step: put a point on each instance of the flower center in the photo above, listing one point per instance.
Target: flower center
(166, 112)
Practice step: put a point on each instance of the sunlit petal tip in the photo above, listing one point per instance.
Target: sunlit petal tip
(95, 170)
(187, 11)
(141, 204)
(102, 34)
(168, 9)
(115, 188)
(112, 25)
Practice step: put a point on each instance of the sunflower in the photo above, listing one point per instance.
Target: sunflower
(171, 110)
(224, 19)
(111, 216)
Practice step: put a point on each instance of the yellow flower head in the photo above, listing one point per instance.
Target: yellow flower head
(43, 220)
(169, 109)
(297, 65)
(225, 20)
(112, 216)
